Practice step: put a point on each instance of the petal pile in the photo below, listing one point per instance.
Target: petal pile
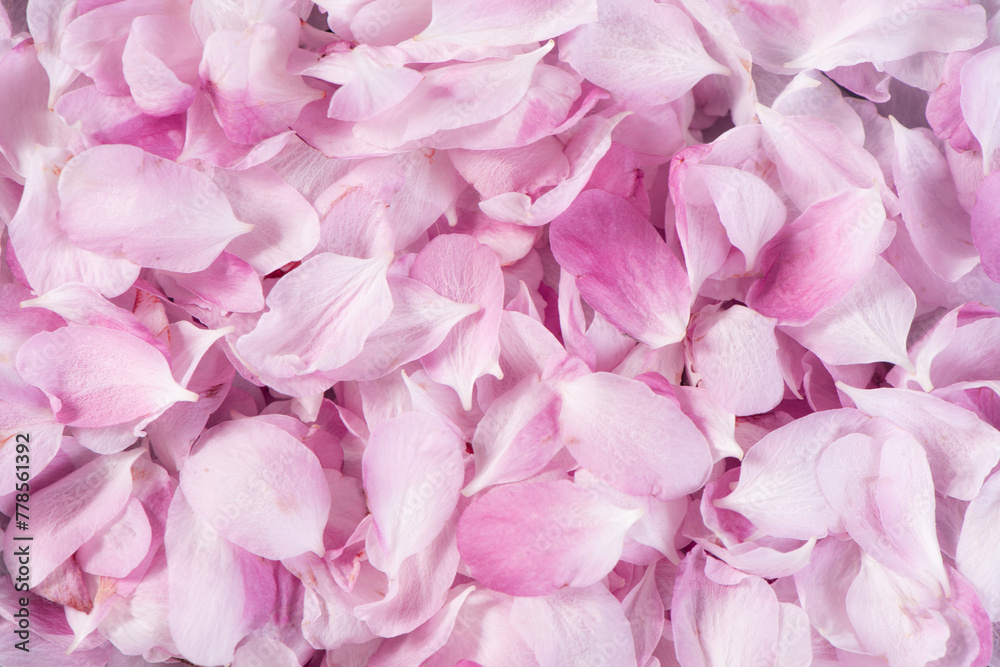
(643, 333)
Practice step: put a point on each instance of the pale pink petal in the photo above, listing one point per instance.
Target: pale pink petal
(721, 624)
(644, 609)
(99, 377)
(644, 51)
(373, 79)
(34, 427)
(382, 22)
(816, 160)
(575, 626)
(80, 304)
(228, 284)
(893, 616)
(119, 546)
(734, 352)
(589, 141)
(159, 214)
(980, 100)
(749, 210)
(623, 267)
(944, 107)
(938, 225)
(778, 488)
(70, 511)
(419, 589)
(412, 471)
(518, 435)
(526, 347)
(815, 260)
(285, 226)
(636, 440)
(535, 537)
(218, 592)
(461, 269)
(822, 587)
(260, 648)
(972, 636)
(529, 169)
(47, 21)
(319, 315)
(870, 323)
(453, 96)
(423, 642)
(418, 323)
(18, 325)
(160, 64)
(976, 554)
(259, 487)
(812, 94)
(500, 23)
(251, 89)
(961, 449)
(985, 214)
(46, 257)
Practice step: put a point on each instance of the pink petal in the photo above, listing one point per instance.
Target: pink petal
(17, 325)
(778, 488)
(823, 586)
(721, 624)
(412, 471)
(961, 449)
(980, 101)
(259, 487)
(638, 441)
(460, 269)
(70, 511)
(246, 77)
(816, 160)
(748, 208)
(518, 435)
(419, 322)
(575, 626)
(159, 214)
(265, 648)
(481, 91)
(47, 258)
(734, 352)
(119, 546)
(218, 592)
(79, 304)
(646, 52)
(99, 377)
(159, 85)
(870, 323)
(229, 284)
(815, 260)
(892, 617)
(502, 23)
(423, 642)
(976, 554)
(623, 267)
(985, 214)
(285, 226)
(38, 430)
(938, 225)
(535, 537)
(319, 315)
(374, 79)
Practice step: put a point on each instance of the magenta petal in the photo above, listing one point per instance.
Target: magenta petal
(815, 260)
(623, 267)
(99, 377)
(636, 440)
(260, 487)
(535, 537)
